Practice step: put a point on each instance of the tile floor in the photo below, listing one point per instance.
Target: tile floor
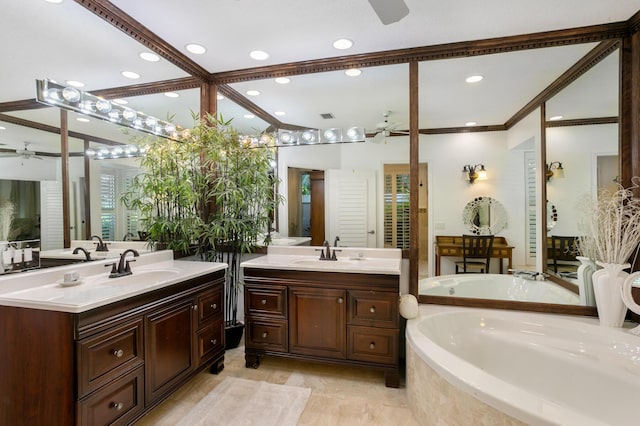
(339, 395)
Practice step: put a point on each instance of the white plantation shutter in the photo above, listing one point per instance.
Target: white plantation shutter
(51, 231)
(108, 206)
(352, 198)
(530, 180)
(396, 207)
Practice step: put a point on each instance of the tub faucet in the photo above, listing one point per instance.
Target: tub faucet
(128, 236)
(122, 268)
(102, 246)
(87, 255)
(529, 275)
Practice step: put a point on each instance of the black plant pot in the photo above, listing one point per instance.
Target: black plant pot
(233, 335)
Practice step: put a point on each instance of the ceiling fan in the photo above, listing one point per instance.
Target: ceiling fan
(385, 128)
(25, 153)
(389, 11)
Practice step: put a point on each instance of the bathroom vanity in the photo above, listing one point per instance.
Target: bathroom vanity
(341, 312)
(106, 351)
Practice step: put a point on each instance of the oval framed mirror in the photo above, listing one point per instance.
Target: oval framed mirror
(484, 216)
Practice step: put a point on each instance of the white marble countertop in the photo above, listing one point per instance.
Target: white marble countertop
(350, 260)
(43, 288)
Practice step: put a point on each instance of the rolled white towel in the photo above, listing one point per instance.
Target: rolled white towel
(409, 306)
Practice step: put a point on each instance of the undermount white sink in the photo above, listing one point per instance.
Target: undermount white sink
(328, 264)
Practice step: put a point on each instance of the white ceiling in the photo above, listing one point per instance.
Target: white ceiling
(67, 42)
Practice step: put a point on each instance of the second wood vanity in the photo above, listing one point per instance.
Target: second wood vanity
(344, 313)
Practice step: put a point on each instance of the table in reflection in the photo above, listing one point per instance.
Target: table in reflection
(451, 246)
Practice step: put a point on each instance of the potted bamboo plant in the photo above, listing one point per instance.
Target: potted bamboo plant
(243, 198)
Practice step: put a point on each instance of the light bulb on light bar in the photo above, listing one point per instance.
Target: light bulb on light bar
(71, 98)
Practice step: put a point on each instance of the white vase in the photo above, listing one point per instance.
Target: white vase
(607, 285)
(627, 297)
(585, 280)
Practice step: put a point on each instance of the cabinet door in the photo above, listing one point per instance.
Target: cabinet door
(317, 322)
(169, 345)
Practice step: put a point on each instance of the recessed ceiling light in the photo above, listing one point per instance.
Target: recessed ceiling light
(259, 55)
(196, 49)
(353, 72)
(253, 92)
(342, 44)
(120, 101)
(470, 123)
(130, 74)
(219, 97)
(54, 1)
(249, 116)
(172, 95)
(283, 80)
(474, 79)
(74, 83)
(280, 113)
(83, 120)
(151, 57)
(556, 118)
(3, 128)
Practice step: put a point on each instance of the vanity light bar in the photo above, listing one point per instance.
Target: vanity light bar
(71, 98)
(319, 137)
(124, 151)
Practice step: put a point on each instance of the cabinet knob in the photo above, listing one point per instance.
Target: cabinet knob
(340, 300)
(264, 334)
(372, 345)
(214, 306)
(263, 301)
(372, 309)
(214, 341)
(118, 353)
(117, 405)
(195, 307)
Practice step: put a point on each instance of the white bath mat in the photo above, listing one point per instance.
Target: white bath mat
(242, 402)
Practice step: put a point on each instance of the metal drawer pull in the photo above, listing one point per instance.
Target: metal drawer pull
(117, 405)
(214, 341)
(340, 300)
(264, 334)
(214, 306)
(263, 301)
(118, 353)
(372, 345)
(372, 309)
(195, 307)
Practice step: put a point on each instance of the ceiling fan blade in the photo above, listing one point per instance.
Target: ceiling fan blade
(389, 11)
(379, 137)
(9, 155)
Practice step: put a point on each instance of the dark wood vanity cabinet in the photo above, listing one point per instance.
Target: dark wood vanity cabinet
(111, 364)
(345, 318)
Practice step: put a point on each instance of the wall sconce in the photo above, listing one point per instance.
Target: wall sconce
(555, 169)
(474, 172)
(51, 93)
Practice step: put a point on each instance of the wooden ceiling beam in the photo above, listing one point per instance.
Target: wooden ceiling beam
(116, 17)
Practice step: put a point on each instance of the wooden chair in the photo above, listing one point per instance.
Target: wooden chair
(476, 254)
(562, 254)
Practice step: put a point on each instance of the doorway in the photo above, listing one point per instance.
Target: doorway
(305, 200)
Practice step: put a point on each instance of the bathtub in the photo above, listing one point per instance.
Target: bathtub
(469, 366)
(497, 286)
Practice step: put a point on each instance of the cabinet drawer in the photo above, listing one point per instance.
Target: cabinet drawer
(209, 305)
(270, 301)
(108, 354)
(115, 404)
(210, 341)
(267, 335)
(373, 308)
(370, 344)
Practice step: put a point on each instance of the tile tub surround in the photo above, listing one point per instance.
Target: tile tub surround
(350, 260)
(504, 365)
(40, 289)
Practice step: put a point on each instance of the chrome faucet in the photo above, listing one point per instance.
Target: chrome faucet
(529, 275)
(102, 246)
(122, 268)
(87, 255)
